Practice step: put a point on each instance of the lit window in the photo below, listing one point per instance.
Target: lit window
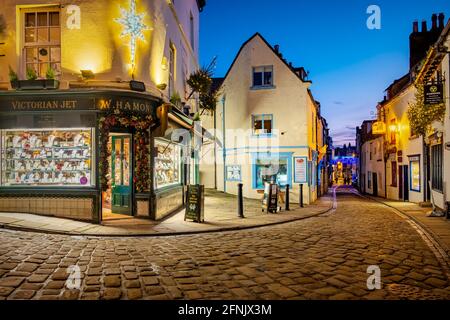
(42, 42)
(263, 76)
(262, 124)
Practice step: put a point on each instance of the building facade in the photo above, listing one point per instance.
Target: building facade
(267, 125)
(85, 117)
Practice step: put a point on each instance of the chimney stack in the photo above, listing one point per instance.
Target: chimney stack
(416, 26)
(434, 19)
(424, 26)
(441, 20)
(277, 48)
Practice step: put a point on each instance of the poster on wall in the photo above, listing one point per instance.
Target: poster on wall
(233, 173)
(300, 169)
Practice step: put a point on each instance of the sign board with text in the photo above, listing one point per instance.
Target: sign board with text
(434, 93)
(195, 203)
(300, 169)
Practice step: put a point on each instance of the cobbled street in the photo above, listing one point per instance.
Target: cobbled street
(318, 258)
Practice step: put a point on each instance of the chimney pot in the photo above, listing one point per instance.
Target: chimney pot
(277, 48)
(424, 26)
(441, 20)
(434, 19)
(416, 26)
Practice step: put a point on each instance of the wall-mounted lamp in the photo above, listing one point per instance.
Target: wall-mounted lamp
(162, 86)
(87, 74)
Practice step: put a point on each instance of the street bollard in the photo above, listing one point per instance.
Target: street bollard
(301, 195)
(448, 209)
(240, 201)
(287, 197)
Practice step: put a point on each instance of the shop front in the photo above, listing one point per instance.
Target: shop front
(87, 155)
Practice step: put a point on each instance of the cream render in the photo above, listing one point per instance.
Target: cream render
(90, 40)
(295, 118)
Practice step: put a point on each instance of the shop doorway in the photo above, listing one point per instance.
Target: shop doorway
(375, 184)
(403, 183)
(117, 200)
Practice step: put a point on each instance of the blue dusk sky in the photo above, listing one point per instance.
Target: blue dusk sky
(350, 66)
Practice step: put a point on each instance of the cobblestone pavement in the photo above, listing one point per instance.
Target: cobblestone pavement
(319, 258)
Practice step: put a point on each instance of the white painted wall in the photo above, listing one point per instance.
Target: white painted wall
(293, 112)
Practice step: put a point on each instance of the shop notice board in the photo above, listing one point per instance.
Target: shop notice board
(270, 200)
(195, 203)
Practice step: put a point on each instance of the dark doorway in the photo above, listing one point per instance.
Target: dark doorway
(400, 182)
(375, 184)
(405, 182)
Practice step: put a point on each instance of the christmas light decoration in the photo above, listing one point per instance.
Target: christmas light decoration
(134, 27)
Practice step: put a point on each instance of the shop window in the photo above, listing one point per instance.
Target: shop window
(262, 124)
(414, 167)
(47, 157)
(167, 164)
(263, 76)
(272, 170)
(436, 167)
(394, 174)
(42, 41)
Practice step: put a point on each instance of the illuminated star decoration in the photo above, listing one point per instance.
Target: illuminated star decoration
(134, 26)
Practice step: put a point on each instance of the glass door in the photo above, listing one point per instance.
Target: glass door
(121, 174)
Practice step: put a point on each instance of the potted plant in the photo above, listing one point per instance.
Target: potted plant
(50, 81)
(32, 82)
(13, 78)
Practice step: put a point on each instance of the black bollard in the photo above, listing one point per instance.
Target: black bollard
(287, 197)
(240, 201)
(301, 195)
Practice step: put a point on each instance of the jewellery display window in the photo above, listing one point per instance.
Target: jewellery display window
(167, 164)
(47, 157)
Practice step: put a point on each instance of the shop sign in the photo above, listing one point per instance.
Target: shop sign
(434, 93)
(195, 203)
(62, 103)
(379, 127)
(270, 199)
(300, 169)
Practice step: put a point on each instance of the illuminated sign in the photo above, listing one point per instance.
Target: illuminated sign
(379, 128)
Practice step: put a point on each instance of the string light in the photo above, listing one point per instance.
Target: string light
(134, 27)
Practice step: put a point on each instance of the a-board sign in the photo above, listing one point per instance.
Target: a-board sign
(270, 200)
(195, 203)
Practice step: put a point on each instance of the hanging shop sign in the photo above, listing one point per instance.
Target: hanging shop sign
(379, 127)
(300, 169)
(195, 203)
(434, 93)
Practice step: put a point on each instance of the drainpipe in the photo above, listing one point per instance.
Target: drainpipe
(215, 150)
(224, 154)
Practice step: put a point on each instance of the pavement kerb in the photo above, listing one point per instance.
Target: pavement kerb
(175, 233)
(435, 240)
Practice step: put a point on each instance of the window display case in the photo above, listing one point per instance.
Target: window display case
(46, 157)
(167, 164)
